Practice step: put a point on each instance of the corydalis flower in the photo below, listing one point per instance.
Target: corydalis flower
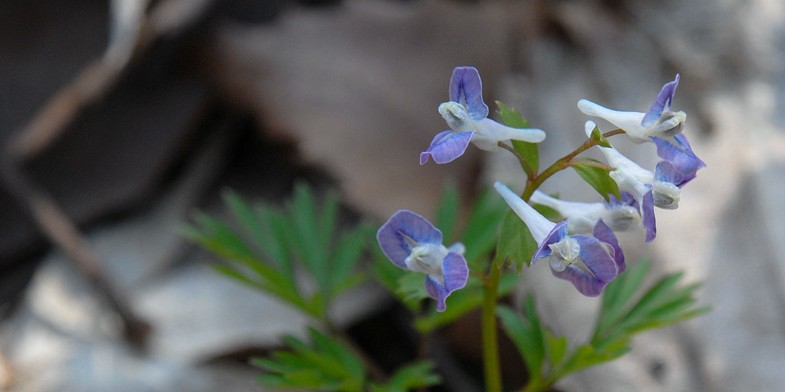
(619, 215)
(467, 116)
(413, 243)
(661, 188)
(649, 189)
(658, 122)
(679, 161)
(588, 262)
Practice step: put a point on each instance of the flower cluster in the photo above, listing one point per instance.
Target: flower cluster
(661, 126)
(582, 248)
(590, 262)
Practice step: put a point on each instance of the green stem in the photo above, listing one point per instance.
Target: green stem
(490, 342)
(562, 163)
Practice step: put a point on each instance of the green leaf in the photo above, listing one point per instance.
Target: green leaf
(327, 221)
(588, 355)
(447, 213)
(516, 243)
(411, 287)
(481, 228)
(244, 214)
(527, 151)
(343, 261)
(325, 365)
(417, 375)
(461, 302)
(274, 243)
(650, 299)
(548, 212)
(629, 308)
(527, 336)
(619, 293)
(388, 274)
(270, 244)
(556, 347)
(219, 238)
(307, 237)
(597, 175)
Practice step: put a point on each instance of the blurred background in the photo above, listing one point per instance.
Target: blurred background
(119, 119)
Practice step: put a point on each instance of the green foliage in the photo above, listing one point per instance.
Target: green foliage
(461, 302)
(596, 174)
(325, 365)
(627, 308)
(447, 213)
(482, 229)
(528, 152)
(268, 244)
(416, 375)
(516, 244)
(527, 334)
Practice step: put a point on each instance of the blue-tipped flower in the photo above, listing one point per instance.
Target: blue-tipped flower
(659, 121)
(619, 215)
(679, 161)
(649, 189)
(414, 244)
(588, 262)
(467, 115)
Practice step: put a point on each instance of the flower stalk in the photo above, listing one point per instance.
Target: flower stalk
(490, 340)
(562, 163)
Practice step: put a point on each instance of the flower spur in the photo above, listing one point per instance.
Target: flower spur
(658, 122)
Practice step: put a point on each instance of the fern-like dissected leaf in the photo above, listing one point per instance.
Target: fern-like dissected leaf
(516, 244)
(447, 213)
(268, 243)
(628, 309)
(324, 365)
(528, 152)
(481, 231)
(414, 376)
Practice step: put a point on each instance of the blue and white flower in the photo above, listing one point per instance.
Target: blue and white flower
(467, 115)
(619, 215)
(589, 262)
(659, 121)
(414, 244)
(679, 161)
(661, 188)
